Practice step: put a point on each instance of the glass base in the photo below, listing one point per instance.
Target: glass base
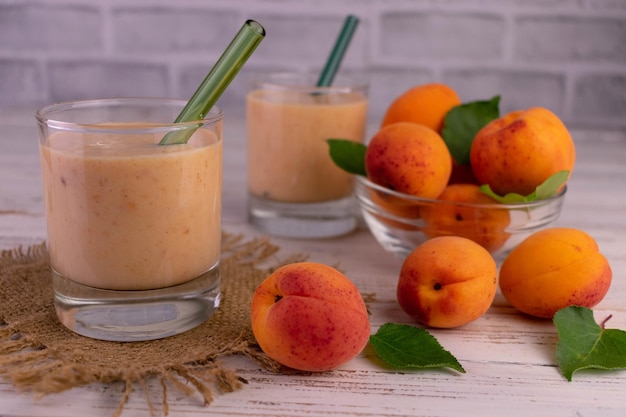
(303, 220)
(130, 316)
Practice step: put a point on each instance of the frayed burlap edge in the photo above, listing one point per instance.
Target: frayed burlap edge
(33, 362)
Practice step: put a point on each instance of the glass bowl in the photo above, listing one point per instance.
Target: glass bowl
(400, 222)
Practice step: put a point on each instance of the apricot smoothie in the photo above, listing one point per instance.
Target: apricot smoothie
(125, 213)
(288, 158)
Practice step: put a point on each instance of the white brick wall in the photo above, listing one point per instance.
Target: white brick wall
(567, 55)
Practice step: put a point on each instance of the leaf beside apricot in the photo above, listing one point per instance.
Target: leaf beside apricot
(549, 188)
(584, 344)
(462, 123)
(409, 347)
(348, 155)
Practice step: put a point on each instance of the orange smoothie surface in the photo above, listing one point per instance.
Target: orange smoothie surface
(126, 213)
(288, 158)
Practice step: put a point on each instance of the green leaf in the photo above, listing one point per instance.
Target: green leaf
(348, 155)
(509, 198)
(462, 122)
(547, 189)
(410, 347)
(552, 185)
(583, 344)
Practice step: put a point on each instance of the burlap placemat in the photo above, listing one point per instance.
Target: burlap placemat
(39, 354)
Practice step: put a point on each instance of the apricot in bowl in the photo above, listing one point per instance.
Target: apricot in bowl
(401, 222)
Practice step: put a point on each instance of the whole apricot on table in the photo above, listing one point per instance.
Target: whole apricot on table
(466, 211)
(409, 158)
(447, 282)
(425, 104)
(553, 269)
(520, 150)
(309, 316)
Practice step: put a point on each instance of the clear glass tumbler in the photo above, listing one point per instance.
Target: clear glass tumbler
(133, 227)
(294, 187)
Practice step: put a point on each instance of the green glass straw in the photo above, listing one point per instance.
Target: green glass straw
(338, 51)
(220, 76)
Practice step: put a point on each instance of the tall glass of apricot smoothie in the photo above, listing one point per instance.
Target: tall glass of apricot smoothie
(133, 227)
(294, 187)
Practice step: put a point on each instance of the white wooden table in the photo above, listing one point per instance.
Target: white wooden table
(509, 358)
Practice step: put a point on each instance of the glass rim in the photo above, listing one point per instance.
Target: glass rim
(304, 81)
(366, 183)
(45, 115)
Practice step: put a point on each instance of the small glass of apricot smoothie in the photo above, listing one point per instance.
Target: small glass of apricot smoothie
(294, 187)
(133, 226)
